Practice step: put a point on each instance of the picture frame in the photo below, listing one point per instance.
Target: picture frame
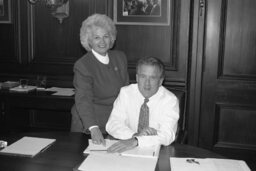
(5, 11)
(142, 12)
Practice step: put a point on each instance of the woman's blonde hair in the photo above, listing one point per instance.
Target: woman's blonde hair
(96, 20)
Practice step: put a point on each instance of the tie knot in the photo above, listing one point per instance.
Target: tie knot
(146, 100)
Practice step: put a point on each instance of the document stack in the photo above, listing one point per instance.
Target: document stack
(27, 146)
(137, 159)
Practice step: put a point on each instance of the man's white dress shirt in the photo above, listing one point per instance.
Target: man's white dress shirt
(163, 115)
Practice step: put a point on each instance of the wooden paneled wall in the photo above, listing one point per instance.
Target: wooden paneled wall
(225, 121)
(35, 43)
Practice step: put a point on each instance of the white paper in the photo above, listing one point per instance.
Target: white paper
(230, 165)
(28, 146)
(181, 164)
(143, 152)
(98, 147)
(152, 151)
(23, 89)
(209, 164)
(62, 91)
(114, 162)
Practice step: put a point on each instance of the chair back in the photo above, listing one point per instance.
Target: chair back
(181, 134)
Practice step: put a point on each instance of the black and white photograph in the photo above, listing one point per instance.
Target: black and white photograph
(142, 7)
(127, 85)
(141, 12)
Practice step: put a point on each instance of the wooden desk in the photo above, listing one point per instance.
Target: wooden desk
(67, 153)
(36, 110)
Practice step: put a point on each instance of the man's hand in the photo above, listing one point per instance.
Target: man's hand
(123, 145)
(147, 132)
(97, 137)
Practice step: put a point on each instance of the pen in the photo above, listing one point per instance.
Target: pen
(192, 161)
(98, 150)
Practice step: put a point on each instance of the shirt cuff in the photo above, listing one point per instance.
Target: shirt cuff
(94, 126)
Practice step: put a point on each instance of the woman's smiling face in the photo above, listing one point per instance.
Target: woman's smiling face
(100, 40)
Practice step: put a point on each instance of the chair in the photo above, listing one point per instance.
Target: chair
(181, 134)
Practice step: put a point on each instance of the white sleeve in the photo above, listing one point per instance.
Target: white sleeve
(117, 122)
(167, 126)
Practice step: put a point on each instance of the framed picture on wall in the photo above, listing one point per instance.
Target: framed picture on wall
(141, 12)
(5, 11)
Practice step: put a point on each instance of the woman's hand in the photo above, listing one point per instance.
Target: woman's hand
(123, 145)
(97, 137)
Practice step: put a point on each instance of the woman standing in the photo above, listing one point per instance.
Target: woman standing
(98, 77)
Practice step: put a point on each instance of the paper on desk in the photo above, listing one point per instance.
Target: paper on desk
(209, 164)
(152, 151)
(23, 89)
(62, 91)
(114, 162)
(27, 146)
(98, 147)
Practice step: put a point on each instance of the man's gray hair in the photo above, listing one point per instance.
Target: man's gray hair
(152, 61)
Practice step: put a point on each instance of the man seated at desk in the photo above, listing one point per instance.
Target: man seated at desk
(146, 113)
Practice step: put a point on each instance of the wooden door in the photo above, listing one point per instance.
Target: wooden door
(228, 101)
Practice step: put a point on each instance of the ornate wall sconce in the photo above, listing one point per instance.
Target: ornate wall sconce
(59, 8)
